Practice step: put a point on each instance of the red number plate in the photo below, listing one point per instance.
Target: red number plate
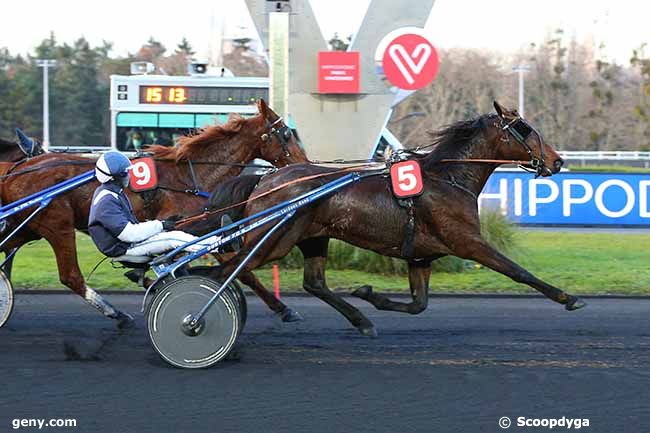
(406, 179)
(143, 174)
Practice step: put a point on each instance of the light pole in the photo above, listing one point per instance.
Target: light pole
(521, 69)
(46, 64)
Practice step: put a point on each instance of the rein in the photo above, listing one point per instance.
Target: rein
(204, 215)
(56, 164)
(486, 161)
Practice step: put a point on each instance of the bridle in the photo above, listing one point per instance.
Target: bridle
(520, 130)
(282, 133)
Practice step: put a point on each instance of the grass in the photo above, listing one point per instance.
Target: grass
(586, 263)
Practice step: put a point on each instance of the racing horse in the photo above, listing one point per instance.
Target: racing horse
(17, 152)
(366, 214)
(199, 162)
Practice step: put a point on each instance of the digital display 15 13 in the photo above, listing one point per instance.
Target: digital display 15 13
(186, 95)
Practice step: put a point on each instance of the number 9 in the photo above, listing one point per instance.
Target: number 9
(141, 173)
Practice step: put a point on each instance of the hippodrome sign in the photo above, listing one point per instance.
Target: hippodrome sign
(570, 198)
(408, 58)
(338, 72)
(143, 174)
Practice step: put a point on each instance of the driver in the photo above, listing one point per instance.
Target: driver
(113, 226)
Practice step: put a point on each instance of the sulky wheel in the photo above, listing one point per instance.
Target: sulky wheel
(6, 298)
(238, 293)
(234, 287)
(217, 330)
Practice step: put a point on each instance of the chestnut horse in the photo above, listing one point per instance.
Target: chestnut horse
(217, 153)
(367, 215)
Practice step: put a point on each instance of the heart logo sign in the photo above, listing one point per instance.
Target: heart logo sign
(408, 59)
(399, 55)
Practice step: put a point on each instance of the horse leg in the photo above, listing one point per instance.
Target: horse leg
(419, 274)
(480, 251)
(286, 313)
(315, 253)
(70, 275)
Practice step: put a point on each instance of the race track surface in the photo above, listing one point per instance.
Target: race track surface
(458, 367)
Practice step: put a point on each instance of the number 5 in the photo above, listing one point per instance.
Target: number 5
(407, 180)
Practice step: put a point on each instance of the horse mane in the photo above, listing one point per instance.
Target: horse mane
(452, 141)
(192, 146)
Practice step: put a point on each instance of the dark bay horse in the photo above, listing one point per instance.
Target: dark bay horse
(367, 215)
(11, 151)
(237, 142)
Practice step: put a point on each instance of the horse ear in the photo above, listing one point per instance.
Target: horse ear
(500, 110)
(25, 143)
(262, 107)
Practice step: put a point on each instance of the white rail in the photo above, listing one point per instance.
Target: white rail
(606, 155)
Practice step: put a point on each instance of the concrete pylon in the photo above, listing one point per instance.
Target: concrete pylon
(331, 125)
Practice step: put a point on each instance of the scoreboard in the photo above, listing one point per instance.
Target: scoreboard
(201, 95)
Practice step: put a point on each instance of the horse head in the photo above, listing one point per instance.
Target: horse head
(29, 146)
(279, 145)
(521, 141)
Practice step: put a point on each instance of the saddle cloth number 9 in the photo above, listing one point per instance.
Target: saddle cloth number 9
(143, 175)
(406, 179)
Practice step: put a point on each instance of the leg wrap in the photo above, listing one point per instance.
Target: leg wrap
(94, 299)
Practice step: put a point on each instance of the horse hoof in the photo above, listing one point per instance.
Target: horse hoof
(362, 292)
(289, 315)
(368, 331)
(125, 321)
(575, 304)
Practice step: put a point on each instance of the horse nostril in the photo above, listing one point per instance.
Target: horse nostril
(558, 164)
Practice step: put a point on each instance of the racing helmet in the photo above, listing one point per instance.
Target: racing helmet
(113, 165)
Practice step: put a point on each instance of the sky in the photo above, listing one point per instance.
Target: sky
(512, 24)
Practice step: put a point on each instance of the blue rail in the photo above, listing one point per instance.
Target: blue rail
(43, 197)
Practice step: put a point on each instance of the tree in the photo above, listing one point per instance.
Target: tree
(641, 62)
(602, 91)
(80, 101)
(151, 51)
(185, 48)
(338, 44)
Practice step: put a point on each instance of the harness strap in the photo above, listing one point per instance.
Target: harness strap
(193, 176)
(408, 243)
(456, 185)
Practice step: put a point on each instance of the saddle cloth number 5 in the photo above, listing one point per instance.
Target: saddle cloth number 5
(143, 175)
(406, 179)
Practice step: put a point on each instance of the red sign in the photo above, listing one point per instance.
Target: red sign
(406, 179)
(143, 174)
(410, 61)
(338, 72)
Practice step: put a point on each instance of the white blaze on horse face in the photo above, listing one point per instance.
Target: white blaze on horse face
(94, 299)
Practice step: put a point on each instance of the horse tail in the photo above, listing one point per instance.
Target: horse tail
(233, 191)
(228, 193)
